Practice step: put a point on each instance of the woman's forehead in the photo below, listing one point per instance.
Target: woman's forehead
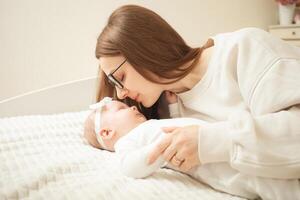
(108, 64)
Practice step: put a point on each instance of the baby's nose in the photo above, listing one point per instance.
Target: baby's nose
(133, 108)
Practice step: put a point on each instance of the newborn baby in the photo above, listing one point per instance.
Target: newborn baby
(116, 127)
(109, 121)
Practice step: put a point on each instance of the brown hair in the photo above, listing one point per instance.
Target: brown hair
(149, 44)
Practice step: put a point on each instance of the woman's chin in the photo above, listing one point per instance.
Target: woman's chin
(147, 104)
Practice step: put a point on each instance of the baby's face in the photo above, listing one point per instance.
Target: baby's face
(118, 115)
(117, 119)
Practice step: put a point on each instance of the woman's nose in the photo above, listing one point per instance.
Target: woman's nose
(122, 93)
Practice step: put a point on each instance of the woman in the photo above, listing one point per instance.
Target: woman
(246, 83)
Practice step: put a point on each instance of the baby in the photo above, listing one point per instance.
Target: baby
(116, 127)
(109, 121)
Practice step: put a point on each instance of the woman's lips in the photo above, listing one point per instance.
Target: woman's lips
(136, 98)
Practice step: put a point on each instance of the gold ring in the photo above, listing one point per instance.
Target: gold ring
(178, 160)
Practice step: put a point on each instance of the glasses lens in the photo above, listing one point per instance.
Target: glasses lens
(114, 82)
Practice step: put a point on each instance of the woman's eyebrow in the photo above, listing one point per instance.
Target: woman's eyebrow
(113, 70)
(104, 72)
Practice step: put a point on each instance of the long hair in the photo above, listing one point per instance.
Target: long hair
(149, 44)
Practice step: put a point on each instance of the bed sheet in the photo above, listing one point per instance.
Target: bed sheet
(47, 157)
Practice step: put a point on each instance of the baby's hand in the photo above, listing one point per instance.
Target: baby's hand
(171, 97)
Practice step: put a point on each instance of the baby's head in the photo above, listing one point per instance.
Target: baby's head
(109, 121)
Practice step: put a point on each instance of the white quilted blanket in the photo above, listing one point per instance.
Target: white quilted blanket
(46, 157)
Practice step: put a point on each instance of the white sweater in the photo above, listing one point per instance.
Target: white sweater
(134, 149)
(251, 94)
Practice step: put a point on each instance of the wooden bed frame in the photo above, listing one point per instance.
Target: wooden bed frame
(66, 97)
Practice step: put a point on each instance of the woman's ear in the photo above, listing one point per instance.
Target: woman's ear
(106, 133)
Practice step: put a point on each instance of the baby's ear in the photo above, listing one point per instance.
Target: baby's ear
(106, 133)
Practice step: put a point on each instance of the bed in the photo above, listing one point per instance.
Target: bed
(43, 154)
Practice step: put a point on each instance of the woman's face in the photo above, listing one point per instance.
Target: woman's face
(135, 85)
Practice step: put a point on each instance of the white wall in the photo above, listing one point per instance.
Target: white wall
(46, 42)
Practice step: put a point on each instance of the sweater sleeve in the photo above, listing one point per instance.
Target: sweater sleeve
(263, 141)
(133, 159)
(174, 110)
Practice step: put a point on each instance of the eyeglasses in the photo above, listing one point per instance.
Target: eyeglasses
(112, 80)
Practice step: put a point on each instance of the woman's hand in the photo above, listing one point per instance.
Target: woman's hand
(170, 97)
(179, 147)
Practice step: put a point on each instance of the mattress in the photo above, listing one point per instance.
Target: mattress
(47, 157)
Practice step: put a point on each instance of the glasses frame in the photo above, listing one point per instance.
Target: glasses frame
(112, 80)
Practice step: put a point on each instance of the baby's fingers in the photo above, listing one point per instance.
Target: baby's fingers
(158, 150)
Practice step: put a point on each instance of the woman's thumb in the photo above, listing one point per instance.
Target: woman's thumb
(169, 129)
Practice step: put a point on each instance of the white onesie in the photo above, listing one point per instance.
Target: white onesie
(134, 149)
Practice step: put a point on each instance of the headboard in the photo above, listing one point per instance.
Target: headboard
(66, 97)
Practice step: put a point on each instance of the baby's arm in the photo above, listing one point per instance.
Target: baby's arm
(133, 160)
